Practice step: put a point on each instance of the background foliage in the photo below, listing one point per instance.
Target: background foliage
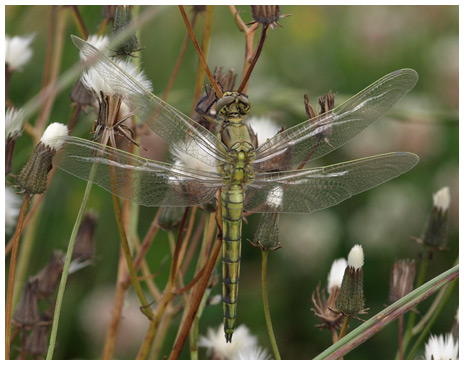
(342, 48)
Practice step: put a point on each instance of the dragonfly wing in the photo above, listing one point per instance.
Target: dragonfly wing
(308, 190)
(322, 134)
(146, 182)
(174, 127)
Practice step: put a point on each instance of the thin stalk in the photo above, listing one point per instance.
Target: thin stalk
(205, 41)
(442, 299)
(344, 328)
(267, 312)
(11, 274)
(67, 262)
(246, 77)
(165, 299)
(412, 315)
(130, 264)
(377, 322)
(400, 337)
(79, 22)
(200, 55)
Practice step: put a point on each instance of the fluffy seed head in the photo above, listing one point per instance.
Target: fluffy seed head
(265, 128)
(336, 274)
(12, 204)
(99, 42)
(13, 121)
(52, 134)
(441, 199)
(18, 51)
(440, 348)
(356, 257)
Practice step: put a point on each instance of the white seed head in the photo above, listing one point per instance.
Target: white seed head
(216, 344)
(275, 196)
(13, 121)
(336, 273)
(356, 257)
(52, 135)
(265, 128)
(252, 353)
(188, 160)
(441, 199)
(100, 42)
(12, 204)
(440, 348)
(93, 81)
(18, 51)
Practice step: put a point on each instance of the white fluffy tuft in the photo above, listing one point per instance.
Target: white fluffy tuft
(18, 51)
(12, 204)
(52, 134)
(99, 42)
(275, 197)
(356, 257)
(13, 121)
(441, 199)
(440, 348)
(336, 273)
(265, 128)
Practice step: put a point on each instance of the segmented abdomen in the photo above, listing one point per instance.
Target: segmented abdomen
(232, 211)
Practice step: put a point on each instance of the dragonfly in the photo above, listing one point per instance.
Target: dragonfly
(270, 177)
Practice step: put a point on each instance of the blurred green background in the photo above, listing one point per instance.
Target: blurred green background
(319, 48)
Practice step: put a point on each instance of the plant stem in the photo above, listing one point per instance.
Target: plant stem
(377, 322)
(267, 313)
(441, 300)
(11, 274)
(200, 55)
(400, 337)
(344, 328)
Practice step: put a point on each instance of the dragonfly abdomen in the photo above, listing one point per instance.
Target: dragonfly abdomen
(232, 212)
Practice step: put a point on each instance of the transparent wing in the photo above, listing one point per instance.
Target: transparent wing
(146, 182)
(308, 190)
(174, 127)
(321, 135)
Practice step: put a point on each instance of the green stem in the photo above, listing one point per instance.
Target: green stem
(441, 300)
(267, 313)
(412, 315)
(67, 262)
(130, 263)
(11, 274)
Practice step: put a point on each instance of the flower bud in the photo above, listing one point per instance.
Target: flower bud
(436, 229)
(401, 279)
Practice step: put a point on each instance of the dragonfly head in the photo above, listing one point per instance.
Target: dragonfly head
(232, 106)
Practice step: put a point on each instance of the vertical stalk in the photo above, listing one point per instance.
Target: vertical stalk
(344, 328)
(11, 274)
(267, 312)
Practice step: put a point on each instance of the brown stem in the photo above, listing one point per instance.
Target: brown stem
(183, 48)
(246, 77)
(11, 274)
(400, 337)
(79, 22)
(199, 53)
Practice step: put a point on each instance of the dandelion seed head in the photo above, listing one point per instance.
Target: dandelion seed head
(52, 134)
(441, 348)
(18, 51)
(336, 273)
(100, 42)
(252, 353)
(356, 257)
(13, 121)
(265, 128)
(217, 346)
(184, 159)
(275, 196)
(441, 199)
(12, 204)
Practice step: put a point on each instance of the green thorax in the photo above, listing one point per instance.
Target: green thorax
(239, 139)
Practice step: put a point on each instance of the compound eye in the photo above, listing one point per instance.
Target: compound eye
(223, 102)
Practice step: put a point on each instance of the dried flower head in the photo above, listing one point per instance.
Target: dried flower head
(48, 278)
(401, 279)
(350, 299)
(33, 177)
(435, 233)
(37, 341)
(122, 20)
(85, 240)
(266, 15)
(18, 51)
(441, 348)
(324, 308)
(264, 128)
(219, 349)
(27, 310)
(14, 119)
